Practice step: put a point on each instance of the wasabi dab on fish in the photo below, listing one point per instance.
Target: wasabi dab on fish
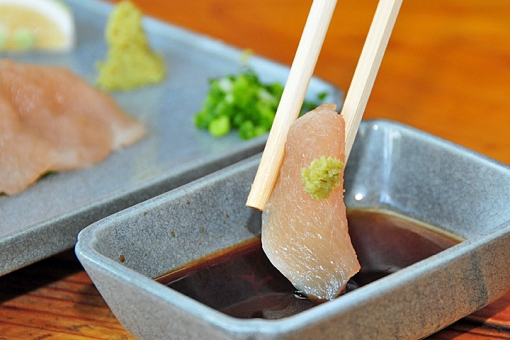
(321, 178)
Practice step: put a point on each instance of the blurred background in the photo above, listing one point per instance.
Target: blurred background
(446, 66)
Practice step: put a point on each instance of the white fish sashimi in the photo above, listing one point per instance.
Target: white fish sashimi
(305, 238)
(52, 120)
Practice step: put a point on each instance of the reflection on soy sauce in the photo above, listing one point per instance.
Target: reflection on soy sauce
(241, 281)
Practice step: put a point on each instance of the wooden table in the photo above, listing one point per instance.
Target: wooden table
(446, 71)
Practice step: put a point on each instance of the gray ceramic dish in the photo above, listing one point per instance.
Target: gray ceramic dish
(392, 167)
(46, 218)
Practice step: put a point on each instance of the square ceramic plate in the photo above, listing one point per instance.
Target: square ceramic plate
(46, 218)
(393, 168)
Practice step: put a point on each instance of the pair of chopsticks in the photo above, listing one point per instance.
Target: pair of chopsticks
(299, 78)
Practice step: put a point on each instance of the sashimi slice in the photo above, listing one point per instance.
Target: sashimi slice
(23, 155)
(52, 108)
(305, 238)
(82, 122)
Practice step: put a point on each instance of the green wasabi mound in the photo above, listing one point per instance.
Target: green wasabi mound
(322, 177)
(130, 63)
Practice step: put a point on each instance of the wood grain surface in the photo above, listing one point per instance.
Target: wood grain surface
(446, 71)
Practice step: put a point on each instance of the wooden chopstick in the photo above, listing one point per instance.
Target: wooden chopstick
(299, 78)
(301, 72)
(367, 68)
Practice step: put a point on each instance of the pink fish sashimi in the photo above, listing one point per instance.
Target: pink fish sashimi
(23, 155)
(305, 238)
(52, 120)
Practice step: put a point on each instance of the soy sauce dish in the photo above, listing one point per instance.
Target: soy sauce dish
(430, 222)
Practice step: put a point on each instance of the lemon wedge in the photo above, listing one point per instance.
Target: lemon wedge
(36, 24)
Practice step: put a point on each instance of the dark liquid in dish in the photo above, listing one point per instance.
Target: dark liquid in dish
(241, 282)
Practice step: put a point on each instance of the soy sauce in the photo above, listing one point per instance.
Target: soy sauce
(241, 282)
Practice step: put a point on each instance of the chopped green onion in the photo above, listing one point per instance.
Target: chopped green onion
(219, 126)
(244, 103)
